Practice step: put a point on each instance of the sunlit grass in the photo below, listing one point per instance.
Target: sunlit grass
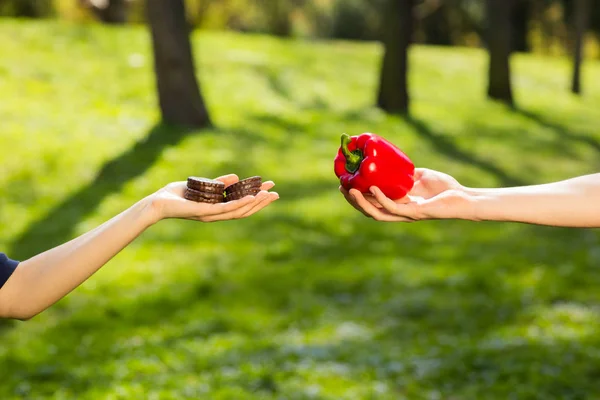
(307, 299)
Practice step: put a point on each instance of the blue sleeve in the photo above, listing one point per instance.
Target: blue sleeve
(7, 267)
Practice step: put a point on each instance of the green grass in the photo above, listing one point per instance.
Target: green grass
(308, 299)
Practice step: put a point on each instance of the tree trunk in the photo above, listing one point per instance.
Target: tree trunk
(580, 24)
(393, 86)
(179, 94)
(278, 13)
(28, 8)
(25, 8)
(520, 25)
(436, 25)
(499, 44)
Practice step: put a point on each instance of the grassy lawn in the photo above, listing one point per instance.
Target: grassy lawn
(308, 299)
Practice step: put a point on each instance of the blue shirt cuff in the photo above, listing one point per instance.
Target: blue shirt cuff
(7, 267)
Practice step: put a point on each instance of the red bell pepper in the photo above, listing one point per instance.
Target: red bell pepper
(369, 160)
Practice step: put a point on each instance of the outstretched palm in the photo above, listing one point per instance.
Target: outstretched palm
(434, 195)
(170, 203)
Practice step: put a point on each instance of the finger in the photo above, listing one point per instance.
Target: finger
(352, 201)
(423, 188)
(205, 210)
(405, 210)
(268, 185)
(347, 196)
(229, 179)
(238, 213)
(364, 205)
(418, 189)
(371, 199)
(419, 173)
(376, 213)
(228, 215)
(256, 208)
(178, 187)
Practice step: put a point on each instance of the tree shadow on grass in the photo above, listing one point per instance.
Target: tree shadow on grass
(449, 148)
(441, 143)
(57, 226)
(427, 331)
(563, 133)
(295, 289)
(299, 283)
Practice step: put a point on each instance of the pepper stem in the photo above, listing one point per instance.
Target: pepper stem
(353, 158)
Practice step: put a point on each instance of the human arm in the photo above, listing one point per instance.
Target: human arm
(569, 203)
(42, 280)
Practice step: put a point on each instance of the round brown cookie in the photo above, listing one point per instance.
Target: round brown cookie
(245, 189)
(197, 193)
(203, 197)
(205, 185)
(244, 192)
(245, 184)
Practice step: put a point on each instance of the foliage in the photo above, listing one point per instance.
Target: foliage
(308, 299)
(542, 26)
(357, 20)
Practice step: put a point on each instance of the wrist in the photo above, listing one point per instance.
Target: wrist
(482, 204)
(151, 210)
(462, 204)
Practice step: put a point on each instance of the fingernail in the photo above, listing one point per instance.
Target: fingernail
(372, 189)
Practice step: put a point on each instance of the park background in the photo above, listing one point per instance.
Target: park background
(307, 299)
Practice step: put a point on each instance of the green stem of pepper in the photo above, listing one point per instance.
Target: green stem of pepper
(353, 158)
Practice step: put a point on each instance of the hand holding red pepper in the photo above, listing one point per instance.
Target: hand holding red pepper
(369, 160)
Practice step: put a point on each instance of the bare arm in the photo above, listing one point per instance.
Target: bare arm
(570, 203)
(44, 279)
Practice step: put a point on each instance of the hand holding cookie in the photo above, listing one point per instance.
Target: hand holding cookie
(210, 200)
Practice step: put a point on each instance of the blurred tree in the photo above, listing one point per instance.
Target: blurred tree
(595, 18)
(108, 11)
(358, 19)
(432, 20)
(278, 16)
(499, 48)
(521, 15)
(398, 27)
(581, 16)
(179, 95)
(27, 8)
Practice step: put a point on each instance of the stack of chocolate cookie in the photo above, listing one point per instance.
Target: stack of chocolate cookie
(249, 186)
(204, 190)
(212, 191)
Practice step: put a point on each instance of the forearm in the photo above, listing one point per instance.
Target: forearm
(570, 203)
(44, 279)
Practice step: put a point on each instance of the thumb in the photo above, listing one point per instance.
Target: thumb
(228, 180)
(419, 190)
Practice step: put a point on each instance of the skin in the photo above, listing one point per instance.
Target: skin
(42, 280)
(569, 203)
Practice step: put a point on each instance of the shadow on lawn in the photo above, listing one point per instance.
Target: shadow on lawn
(428, 331)
(311, 272)
(57, 226)
(449, 148)
(441, 143)
(562, 132)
